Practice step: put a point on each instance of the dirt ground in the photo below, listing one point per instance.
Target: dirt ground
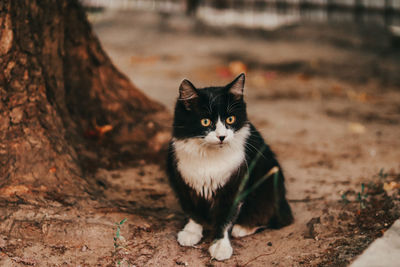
(327, 100)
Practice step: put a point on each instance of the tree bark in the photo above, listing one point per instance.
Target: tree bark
(64, 107)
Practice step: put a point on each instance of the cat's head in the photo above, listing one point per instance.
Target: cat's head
(213, 115)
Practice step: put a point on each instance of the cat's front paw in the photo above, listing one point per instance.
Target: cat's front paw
(221, 249)
(186, 238)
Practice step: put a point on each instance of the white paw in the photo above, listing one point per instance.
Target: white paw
(186, 238)
(241, 231)
(221, 249)
(191, 234)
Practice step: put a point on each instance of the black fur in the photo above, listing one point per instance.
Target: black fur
(266, 205)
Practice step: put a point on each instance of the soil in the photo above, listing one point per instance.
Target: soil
(325, 97)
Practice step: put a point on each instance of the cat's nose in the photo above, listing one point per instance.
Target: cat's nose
(221, 137)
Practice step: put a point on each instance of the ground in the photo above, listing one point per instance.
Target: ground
(325, 99)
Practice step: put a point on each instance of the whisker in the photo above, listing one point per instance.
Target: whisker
(255, 149)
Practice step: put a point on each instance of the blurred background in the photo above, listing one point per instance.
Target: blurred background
(307, 61)
(209, 42)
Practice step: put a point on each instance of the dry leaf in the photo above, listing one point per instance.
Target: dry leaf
(237, 67)
(98, 132)
(258, 79)
(337, 90)
(362, 97)
(13, 190)
(224, 72)
(304, 77)
(103, 129)
(390, 186)
(270, 75)
(357, 128)
(170, 216)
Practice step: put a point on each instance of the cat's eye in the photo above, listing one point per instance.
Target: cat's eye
(230, 120)
(205, 122)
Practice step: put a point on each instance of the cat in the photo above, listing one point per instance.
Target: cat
(213, 149)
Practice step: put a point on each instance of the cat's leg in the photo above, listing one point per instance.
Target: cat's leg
(225, 213)
(191, 234)
(221, 248)
(283, 215)
(242, 230)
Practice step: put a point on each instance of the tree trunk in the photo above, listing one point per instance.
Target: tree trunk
(64, 107)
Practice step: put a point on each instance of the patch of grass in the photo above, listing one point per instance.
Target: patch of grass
(383, 175)
(362, 197)
(119, 242)
(118, 236)
(368, 213)
(243, 193)
(344, 198)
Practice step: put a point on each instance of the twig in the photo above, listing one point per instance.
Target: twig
(306, 199)
(261, 255)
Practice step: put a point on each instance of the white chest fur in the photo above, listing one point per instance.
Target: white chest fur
(206, 168)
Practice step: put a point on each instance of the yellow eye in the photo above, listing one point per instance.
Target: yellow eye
(205, 122)
(230, 120)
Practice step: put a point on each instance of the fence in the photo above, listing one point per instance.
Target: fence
(269, 14)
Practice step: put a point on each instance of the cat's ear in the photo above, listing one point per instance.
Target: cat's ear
(236, 86)
(187, 91)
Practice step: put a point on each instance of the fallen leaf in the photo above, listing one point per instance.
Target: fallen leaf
(390, 186)
(237, 67)
(258, 79)
(103, 129)
(224, 72)
(356, 128)
(304, 77)
(52, 170)
(362, 97)
(13, 190)
(98, 132)
(170, 216)
(337, 90)
(270, 75)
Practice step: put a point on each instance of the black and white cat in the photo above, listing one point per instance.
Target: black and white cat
(212, 147)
